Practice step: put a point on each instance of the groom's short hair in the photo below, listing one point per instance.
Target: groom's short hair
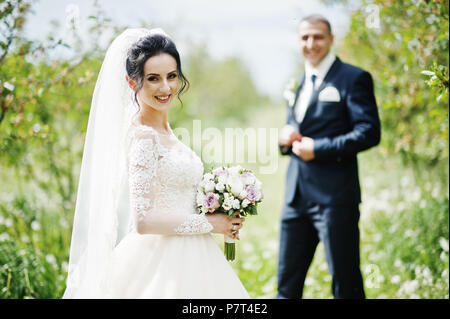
(315, 18)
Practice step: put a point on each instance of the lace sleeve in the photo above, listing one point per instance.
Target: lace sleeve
(145, 154)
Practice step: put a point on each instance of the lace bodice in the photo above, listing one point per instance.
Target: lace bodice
(163, 178)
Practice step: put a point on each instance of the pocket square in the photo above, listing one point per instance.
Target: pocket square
(329, 94)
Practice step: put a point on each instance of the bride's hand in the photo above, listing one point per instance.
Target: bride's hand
(224, 224)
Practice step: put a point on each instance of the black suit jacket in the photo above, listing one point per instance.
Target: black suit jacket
(340, 130)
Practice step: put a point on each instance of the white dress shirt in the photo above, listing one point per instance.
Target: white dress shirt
(305, 93)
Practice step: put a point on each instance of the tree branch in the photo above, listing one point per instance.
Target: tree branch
(2, 115)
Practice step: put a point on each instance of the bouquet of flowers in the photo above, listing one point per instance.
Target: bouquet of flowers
(229, 190)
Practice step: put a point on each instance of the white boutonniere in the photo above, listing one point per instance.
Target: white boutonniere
(289, 91)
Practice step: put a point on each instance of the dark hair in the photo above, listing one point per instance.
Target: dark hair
(315, 18)
(145, 48)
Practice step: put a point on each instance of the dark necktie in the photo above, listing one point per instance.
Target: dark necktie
(313, 80)
(301, 110)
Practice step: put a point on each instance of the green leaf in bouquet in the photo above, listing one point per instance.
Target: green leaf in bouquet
(253, 210)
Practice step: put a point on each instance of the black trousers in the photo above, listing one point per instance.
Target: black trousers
(303, 225)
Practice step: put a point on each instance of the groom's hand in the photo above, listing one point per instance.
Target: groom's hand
(288, 135)
(304, 149)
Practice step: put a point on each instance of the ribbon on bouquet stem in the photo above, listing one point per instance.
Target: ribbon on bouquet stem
(230, 249)
(229, 244)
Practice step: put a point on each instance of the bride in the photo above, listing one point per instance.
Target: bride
(136, 231)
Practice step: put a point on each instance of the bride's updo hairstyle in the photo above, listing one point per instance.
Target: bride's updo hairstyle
(147, 47)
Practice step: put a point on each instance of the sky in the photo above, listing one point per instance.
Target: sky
(262, 33)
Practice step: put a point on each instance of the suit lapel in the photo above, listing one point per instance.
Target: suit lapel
(313, 101)
(297, 93)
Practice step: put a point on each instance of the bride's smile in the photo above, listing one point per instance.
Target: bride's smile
(163, 99)
(160, 82)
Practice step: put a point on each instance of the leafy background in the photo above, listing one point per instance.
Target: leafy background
(404, 215)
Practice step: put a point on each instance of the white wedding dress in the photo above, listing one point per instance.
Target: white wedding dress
(169, 251)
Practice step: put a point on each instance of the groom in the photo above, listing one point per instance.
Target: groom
(332, 118)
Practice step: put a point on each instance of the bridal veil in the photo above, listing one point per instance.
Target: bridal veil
(102, 205)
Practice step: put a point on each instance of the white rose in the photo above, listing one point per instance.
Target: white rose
(242, 194)
(236, 204)
(226, 205)
(234, 171)
(236, 185)
(222, 179)
(245, 203)
(220, 187)
(250, 180)
(208, 177)
(228, 201)
(209, 186)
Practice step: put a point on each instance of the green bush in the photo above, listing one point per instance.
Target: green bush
(412, 37)
(409, 248)
(33, 251)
